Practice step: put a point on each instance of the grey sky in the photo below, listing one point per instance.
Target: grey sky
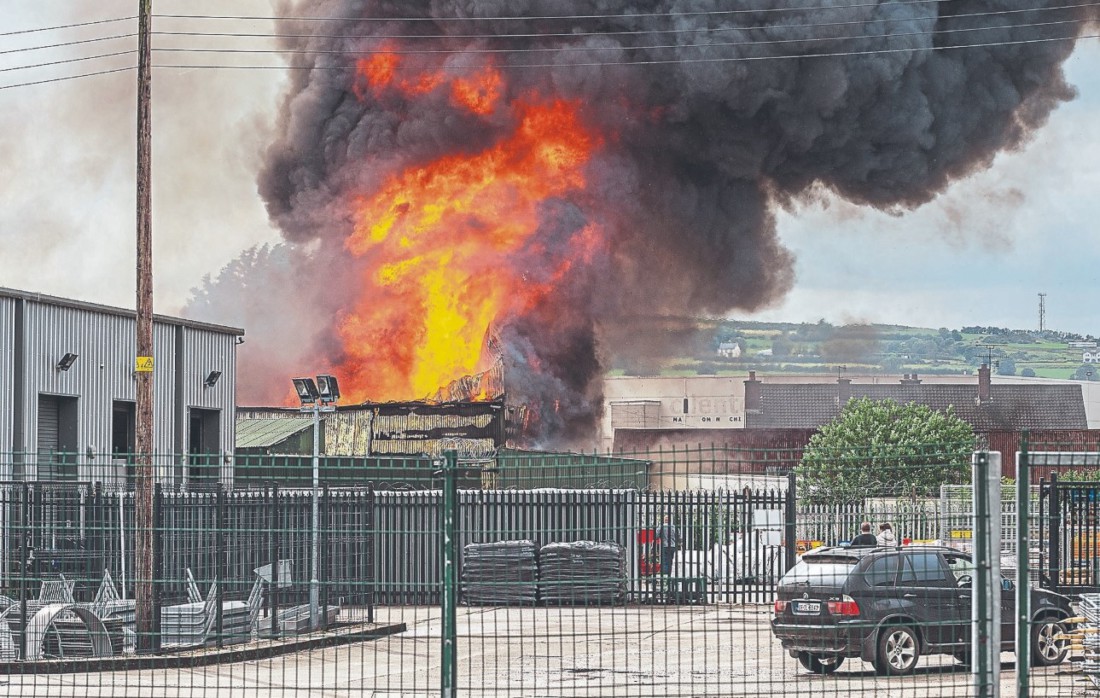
(977, 255)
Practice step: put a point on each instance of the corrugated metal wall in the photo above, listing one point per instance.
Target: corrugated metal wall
(204, 352)
(104, 373)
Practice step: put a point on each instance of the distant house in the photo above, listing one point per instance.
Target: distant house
(729, 350)
(1082, 344)
(1090, 357)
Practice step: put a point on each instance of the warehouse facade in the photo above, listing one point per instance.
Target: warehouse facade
(68, 393)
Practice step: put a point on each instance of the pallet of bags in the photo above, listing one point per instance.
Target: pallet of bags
(582, 573)
(504, 573)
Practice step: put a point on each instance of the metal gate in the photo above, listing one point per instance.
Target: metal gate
(1069, 535)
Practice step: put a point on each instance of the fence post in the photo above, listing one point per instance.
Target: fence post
(158, 561)
(273, 595)
(791, 525)
(1023, 580)
(24, 563)
(93, 534)
(326, 558)
(219, 562)
(987, 589)
(450, 555)
(1055, 533)
(369, 517)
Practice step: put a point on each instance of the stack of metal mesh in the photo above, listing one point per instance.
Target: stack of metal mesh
(1089, 636)
(582, 573)
(500, 574)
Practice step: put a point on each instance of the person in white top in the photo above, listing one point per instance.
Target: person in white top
(886, 535)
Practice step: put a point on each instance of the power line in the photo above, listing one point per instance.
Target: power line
(502, 18)
(67, 60)
(68, 43)
(645, 47)
(509, 35)
(727, 59)
(645, 62)
(68, 26)
(624, 32)
(67, 77)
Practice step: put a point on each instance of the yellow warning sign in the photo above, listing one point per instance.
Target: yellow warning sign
(961, 534)
(143, 364)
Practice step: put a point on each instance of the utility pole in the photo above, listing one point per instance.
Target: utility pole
(1042, 312)
(145, 615)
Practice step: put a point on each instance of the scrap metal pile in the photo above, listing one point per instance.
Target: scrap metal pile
(500, 574)
(516, 573)
(582, 573)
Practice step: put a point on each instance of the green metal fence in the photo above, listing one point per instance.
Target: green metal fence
(523, 574)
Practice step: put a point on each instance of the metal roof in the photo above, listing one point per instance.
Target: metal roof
(264, 433)
(111, 310)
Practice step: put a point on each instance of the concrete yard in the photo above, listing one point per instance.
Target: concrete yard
(713, 650)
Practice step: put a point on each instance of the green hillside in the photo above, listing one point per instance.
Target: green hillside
(697, 346)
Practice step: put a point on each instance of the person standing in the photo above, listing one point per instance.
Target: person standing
(668, 539)
(865, 537)
(886, 535)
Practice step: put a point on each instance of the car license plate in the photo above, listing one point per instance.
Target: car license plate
(806, 608)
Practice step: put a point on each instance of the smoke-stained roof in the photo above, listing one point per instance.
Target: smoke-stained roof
(1010, 407)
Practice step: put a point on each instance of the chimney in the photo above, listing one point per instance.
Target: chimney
(910, 379)
(753, 403)
(983, 384)
(843, 391)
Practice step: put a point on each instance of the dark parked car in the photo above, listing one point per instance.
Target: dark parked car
(891, 605)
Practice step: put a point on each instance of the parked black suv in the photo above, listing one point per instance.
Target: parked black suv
(891, 605)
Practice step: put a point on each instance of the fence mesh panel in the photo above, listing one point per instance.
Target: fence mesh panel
(697, 572)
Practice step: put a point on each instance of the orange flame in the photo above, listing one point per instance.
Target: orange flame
(478, 92)
(438, 241)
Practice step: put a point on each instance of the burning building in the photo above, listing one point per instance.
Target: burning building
(474, 429)
(463, 185)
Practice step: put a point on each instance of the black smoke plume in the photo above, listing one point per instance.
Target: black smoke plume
(712, 114)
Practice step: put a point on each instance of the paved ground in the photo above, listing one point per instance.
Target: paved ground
(717, 650)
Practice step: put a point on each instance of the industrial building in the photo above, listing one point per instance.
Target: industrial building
(761, 425)
(68, 393)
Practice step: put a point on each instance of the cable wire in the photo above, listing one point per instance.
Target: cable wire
(68, 60)
(632, 15)
(68, 43)
(590, 64)
(68, 26)
(624, 32)
(647, 47)
(67, 77)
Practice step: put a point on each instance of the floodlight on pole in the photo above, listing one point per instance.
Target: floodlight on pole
(328, 389)
(316, 401)
(307, 390)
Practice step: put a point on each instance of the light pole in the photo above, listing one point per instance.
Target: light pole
(316, 398)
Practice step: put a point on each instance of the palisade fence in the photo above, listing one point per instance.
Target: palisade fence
(559, 585)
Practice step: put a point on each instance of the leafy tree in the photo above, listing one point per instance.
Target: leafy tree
(1087, 372)
(782, 346)
(1006, 367)
(883, 449)
(1028, 373)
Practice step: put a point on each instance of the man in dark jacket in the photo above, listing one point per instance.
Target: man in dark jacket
(668, 540)
(865, 537)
